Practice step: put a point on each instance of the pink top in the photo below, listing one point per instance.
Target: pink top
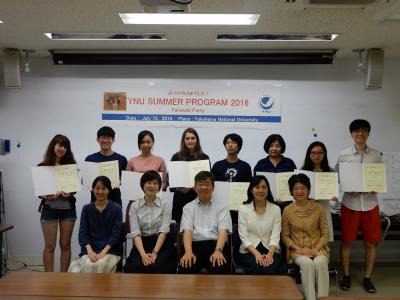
(142, 164)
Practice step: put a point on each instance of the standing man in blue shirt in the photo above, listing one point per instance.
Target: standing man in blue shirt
(232, 168)
(105, 138)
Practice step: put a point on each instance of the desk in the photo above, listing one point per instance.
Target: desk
(3, 228)
(20, 285)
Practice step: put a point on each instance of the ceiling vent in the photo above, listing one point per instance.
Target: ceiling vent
(165, 6)
(302, 4)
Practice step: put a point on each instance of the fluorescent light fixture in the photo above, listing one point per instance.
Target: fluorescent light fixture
(1, 22)
(106, 36)
(189, 19)
(229, 37)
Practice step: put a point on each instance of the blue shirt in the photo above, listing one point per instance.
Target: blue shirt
(122, 163)
(239, 171)
(100, 229)
(265, 165)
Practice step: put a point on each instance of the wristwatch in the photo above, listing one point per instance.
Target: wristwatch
(218, 250)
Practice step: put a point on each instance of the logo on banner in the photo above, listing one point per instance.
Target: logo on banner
(266, 103)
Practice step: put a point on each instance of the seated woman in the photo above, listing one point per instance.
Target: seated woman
(99, 232)
(259, 230)
(305, 233)
(149, 219)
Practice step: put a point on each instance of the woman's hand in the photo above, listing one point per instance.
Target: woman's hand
(260, 259)
(269, 259)
(53, 197)
(65, 195)
(147, 259)
(92, 256)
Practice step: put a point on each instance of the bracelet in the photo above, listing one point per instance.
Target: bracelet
(154, 252)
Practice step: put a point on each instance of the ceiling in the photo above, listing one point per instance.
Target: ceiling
(358, 26)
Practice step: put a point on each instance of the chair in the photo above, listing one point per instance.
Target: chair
(126, 228)
(235, 245)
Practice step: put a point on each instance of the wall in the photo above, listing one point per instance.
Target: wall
(64, 99)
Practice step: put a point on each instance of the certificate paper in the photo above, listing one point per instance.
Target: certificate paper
(130, 186)
(182, 173)
(278, 183)
(230, 194)
(91, 170)
(355, 177)
(48, 180)
(374, 176)
(324, 185)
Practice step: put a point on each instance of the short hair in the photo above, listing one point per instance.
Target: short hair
(274, 138)
(150, 176)
(256, 180)
(141, 136)
(236, 138)
(359, 124)
(106, 131)
(299, 178)
(204, 175)
(105, 181)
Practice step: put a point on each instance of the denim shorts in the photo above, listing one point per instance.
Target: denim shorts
(51, 215)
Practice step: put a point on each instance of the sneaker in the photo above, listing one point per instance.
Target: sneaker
(346, 283)
(368, 286)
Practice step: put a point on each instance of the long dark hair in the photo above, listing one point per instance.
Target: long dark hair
(308, 164)
(256, 180)
(49, 158)
(184, 151)
(142, 135)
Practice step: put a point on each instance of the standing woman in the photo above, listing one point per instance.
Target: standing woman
(316, 160)
(57, 210)
(259, 230)
(147, 161)
(149, 220)
(275, 162)
(305, 233)
(190, 150)
(99, 232)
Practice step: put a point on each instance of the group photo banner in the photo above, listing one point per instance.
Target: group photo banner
(197, 103)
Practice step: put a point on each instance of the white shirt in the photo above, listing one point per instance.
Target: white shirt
(205, 221)
(148, 220)
(255, 228)
(359, 201)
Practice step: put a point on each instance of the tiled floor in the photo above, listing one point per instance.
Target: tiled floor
(386, 278)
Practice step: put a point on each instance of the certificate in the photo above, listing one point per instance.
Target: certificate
(324, 185)
(182, 173)
(48, 180)
(374, 176)
(230, 194)
(278, 183)
(356, 177)
(91, 170)
(130, 186)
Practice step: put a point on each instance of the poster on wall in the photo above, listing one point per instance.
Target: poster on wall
(196, 103)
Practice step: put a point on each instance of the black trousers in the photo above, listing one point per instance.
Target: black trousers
(165, 263)
(203, 250)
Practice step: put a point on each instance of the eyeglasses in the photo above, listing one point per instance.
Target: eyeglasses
(316, 153)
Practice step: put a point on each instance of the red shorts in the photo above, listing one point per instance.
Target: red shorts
(369, 221)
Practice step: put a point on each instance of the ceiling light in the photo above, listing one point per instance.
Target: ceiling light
(277, 37)
(1, 22)
(106, 36)
(189, 19)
